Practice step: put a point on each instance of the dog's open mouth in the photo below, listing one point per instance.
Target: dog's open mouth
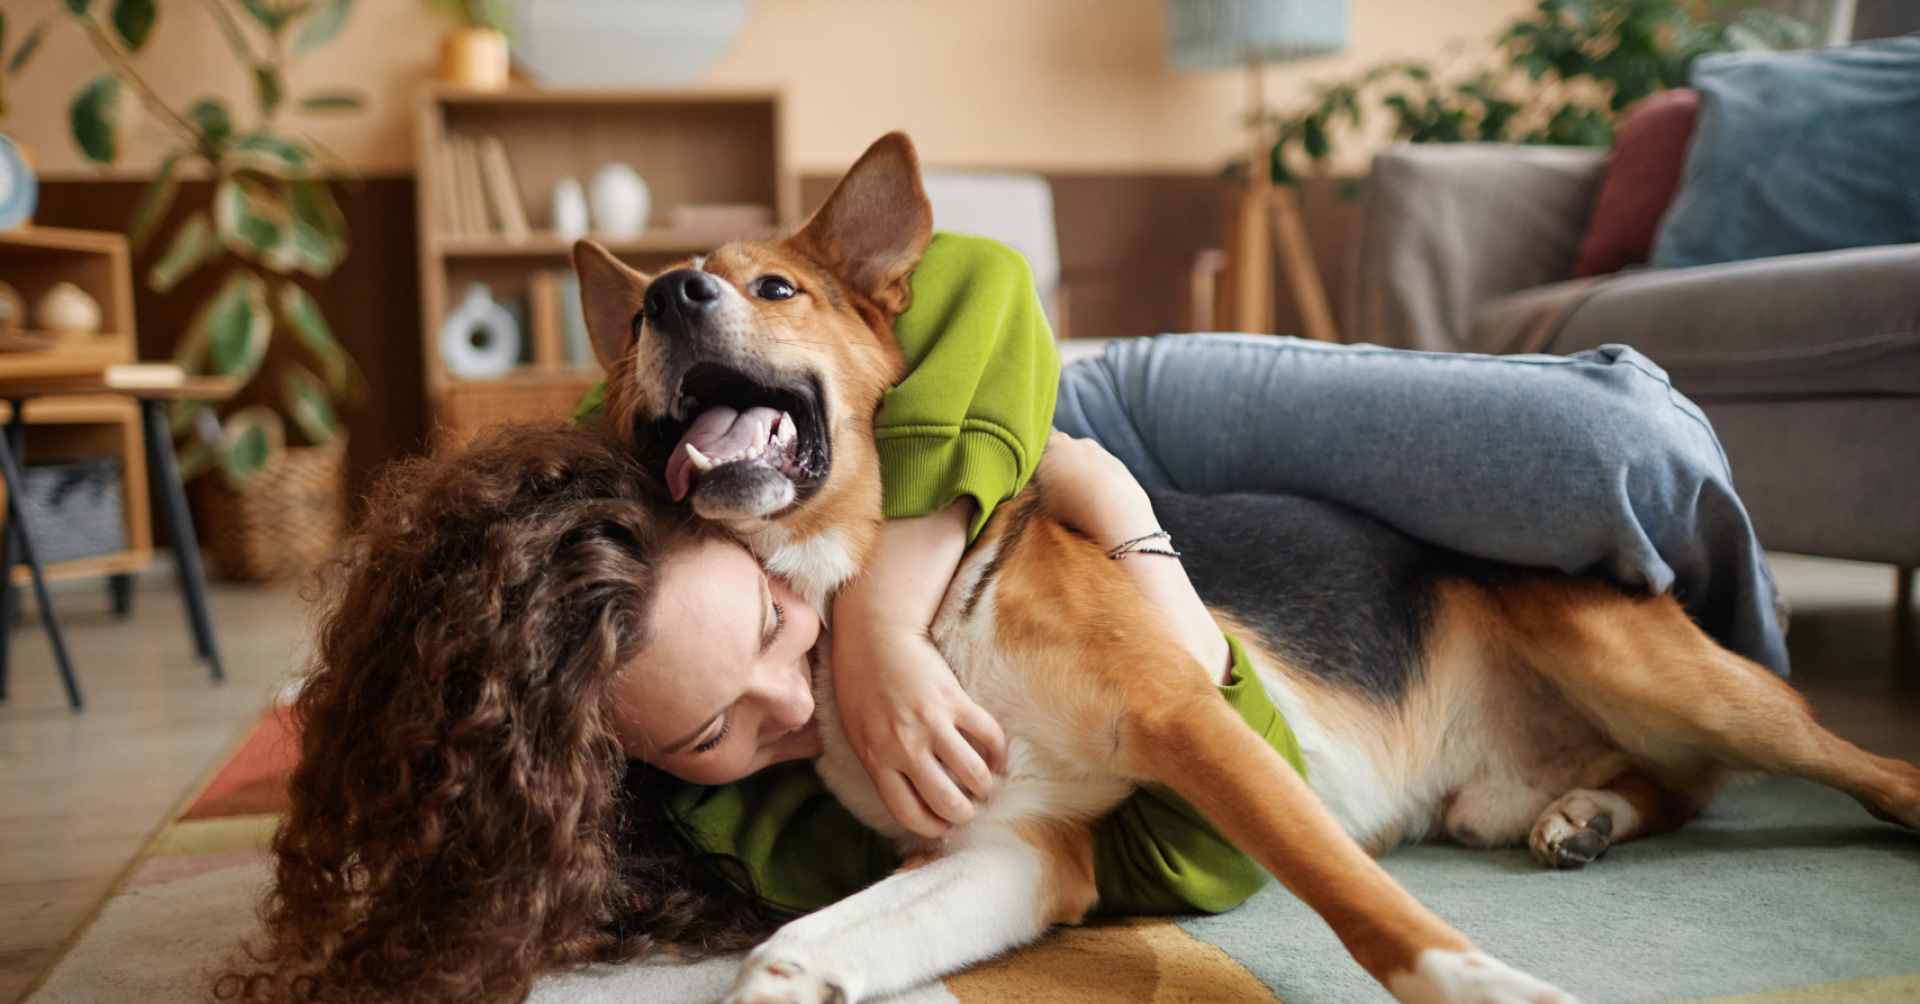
(738, 429)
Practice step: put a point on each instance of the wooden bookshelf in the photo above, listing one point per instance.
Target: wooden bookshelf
(690, 148)
(32, 260)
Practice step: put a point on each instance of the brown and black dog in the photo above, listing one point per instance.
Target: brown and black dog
(1433, 696)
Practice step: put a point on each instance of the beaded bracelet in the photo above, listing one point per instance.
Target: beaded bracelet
(1131, 546)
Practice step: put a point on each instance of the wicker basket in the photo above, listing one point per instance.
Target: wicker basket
(283, 523)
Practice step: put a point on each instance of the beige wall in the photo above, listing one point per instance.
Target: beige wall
(1064, 85)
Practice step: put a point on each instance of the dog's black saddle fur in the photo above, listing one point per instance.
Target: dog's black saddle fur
(1334, 592)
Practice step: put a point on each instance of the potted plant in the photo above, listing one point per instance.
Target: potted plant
(1560, 75)
(476, 55)
(272, 495)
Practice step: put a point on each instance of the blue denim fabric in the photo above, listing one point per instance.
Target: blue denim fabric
(1592, 463)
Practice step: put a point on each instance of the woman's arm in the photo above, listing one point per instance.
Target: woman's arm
(1090, 490)
(930, 750)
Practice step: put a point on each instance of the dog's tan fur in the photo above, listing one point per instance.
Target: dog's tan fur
(1544, 702)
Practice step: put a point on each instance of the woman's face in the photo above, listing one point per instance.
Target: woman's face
(725, 684)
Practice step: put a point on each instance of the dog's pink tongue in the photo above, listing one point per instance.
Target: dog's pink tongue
(719, 433)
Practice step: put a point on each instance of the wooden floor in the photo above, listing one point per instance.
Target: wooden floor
(81, 793)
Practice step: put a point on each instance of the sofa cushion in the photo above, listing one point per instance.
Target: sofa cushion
(1642, 174)
(1797, 152)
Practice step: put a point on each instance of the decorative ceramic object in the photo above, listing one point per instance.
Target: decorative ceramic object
(480, 338)
(620, 202)
(19, 192)
(476, 59)
(13, 310)
(569, 210)
(68, 309)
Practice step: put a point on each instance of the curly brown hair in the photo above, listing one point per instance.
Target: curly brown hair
(463, 818)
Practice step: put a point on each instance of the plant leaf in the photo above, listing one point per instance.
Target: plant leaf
(133, 20)
(266, 14)
(266, 88)
(303, 315)
(252, 221)
(155, 200)
(192, 245)
(309, 405)
(323, 27)
(254, 438)
(319, 228)
(239, 325)
(28, 46)
(275, 156)
(333, 101)
(95, 119)
(210, 116)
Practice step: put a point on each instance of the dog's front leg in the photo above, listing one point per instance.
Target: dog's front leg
(997, 890)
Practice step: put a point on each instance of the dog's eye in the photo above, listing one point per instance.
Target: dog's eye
(772, 287)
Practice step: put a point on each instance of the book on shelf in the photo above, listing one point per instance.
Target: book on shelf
(503, 190)
(573, 322)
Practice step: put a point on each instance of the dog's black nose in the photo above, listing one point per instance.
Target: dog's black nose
(678, 298)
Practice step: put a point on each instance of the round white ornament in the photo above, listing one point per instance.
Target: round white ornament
(620, 202)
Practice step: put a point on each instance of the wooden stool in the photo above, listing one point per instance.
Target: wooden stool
(152, 386)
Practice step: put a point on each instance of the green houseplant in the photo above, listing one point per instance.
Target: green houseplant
(272, 219)
(1560, 75)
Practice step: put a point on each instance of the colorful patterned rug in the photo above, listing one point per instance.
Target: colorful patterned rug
(1781, 893)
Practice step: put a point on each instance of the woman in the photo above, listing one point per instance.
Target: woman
(520, 649)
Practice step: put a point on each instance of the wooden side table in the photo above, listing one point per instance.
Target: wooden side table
(16, 541)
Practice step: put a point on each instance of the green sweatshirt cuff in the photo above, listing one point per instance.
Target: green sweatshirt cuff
(931, 467)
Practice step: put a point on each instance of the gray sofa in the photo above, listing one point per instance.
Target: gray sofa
(1807, 365)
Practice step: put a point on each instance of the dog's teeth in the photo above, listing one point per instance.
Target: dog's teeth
(759, 438)
(699, 459)
(785, 433)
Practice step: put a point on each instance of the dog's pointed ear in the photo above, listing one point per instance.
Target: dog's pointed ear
(876, 224)
(612, 296)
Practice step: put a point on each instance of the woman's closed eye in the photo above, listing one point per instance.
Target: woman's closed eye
(726, 723)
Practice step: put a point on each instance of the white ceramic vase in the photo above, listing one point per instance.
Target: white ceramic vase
(620, 202)
(480, 338)
(569, 210)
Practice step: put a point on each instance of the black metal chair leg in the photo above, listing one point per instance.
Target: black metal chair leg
(16, 438)
(120, 595)
(171, 496)
(23, 536)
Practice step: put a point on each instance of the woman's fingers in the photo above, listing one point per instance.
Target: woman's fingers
(967, 767)
(900, 798)
(939, 792)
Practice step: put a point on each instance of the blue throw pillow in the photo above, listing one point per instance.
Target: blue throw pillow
(1799, 151)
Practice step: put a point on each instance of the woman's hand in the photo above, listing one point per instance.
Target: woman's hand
(1091, 491)
(930, 750)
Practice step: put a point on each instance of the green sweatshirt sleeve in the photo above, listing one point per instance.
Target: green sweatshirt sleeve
(975, 409)
(1157, 854)
(801, 847)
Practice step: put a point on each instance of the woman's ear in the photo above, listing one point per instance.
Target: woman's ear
(612, 296)
(876, 224)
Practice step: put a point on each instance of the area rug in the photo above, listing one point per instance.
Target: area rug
(1782, 892)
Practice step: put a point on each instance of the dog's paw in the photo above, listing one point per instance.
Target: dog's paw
(1445, 977)
(1575, 830)
(781, 981)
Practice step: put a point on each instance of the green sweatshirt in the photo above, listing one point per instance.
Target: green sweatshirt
(971, 418)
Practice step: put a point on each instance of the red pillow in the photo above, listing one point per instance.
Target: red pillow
(1642, 175)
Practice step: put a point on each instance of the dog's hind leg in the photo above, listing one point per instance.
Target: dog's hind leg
(1582, 824)
(1680, 704)
(1004, 887)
